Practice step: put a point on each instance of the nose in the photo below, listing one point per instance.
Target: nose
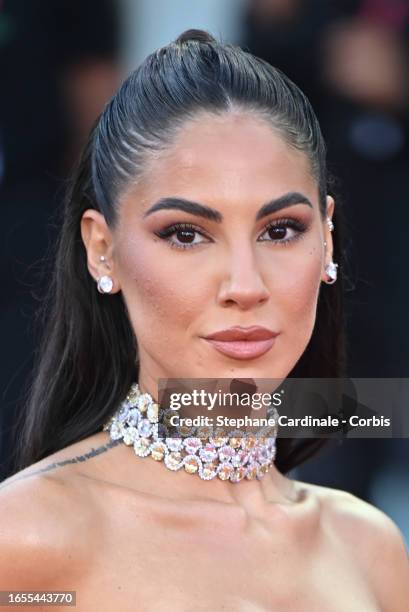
(244, 284)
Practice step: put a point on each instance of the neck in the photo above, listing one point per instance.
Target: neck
(252, 479)
(273, 487)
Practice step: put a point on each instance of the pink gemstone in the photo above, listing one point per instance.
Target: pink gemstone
(262, 455)
(240, 458)
(192, 445)
(226, 453)
(208, 452)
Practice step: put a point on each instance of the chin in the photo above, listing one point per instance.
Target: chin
(247, 369)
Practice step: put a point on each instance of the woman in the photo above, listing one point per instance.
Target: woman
(200, 204)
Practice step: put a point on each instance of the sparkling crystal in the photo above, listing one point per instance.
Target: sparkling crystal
(192, 445)
(158, 450)
(218, 439)
(192, 463)
(252, 470)
(226, 453)
(173, 460)
(248, 443)
(262, 454)
(130, 435)
(224, 471)
(271, 444)
(116, 430)
(153, 412)
(332, 269)
(186, 431)
(123, 414)
(204, 432)
(133, 397)
(142, 447)
(208, 470)
(132, 416)
(235, 442)
(240, 457)
(229, 455)
(263, 469)
(208, 452)
(144, 428)
(144, 401)
(106, 284)
(174, 444)
(238, 474)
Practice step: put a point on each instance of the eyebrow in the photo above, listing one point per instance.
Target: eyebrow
(200, 210)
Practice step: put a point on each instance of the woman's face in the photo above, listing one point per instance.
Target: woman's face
(237, 269)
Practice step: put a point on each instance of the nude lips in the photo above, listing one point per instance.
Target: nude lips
(244, 349)
(242, 343)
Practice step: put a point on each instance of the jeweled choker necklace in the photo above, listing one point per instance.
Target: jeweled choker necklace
(140, 423)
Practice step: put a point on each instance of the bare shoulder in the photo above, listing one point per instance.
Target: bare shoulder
(371, 539)
(46, 523)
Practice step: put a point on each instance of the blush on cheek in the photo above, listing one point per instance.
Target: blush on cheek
(161, 299)
(301, 297)
(143, 284)
(149, 301)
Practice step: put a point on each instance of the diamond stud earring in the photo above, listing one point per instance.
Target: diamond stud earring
(331, 270)
(330, 224)
(105, 284)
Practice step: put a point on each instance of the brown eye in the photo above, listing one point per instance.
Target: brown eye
(185, 236)
(283, 231)
(277, 233)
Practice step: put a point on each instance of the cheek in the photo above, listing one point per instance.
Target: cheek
(300, 296)
(159, 296)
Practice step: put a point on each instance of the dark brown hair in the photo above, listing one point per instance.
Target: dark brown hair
(88, 354)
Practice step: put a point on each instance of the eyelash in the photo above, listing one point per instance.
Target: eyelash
(287, 223)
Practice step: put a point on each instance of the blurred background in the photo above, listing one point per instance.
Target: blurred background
(59, 64)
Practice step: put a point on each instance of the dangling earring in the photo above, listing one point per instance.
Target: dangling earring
(331, 270)
(105, 284)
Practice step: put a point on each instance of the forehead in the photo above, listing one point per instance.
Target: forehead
(235, 156)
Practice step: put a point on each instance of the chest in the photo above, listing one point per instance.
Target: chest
(162, 566)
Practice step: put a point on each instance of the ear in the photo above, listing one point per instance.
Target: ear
(329, 248)
(98, 241)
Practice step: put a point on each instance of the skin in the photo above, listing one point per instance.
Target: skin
(239, 165)
(133, 531)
